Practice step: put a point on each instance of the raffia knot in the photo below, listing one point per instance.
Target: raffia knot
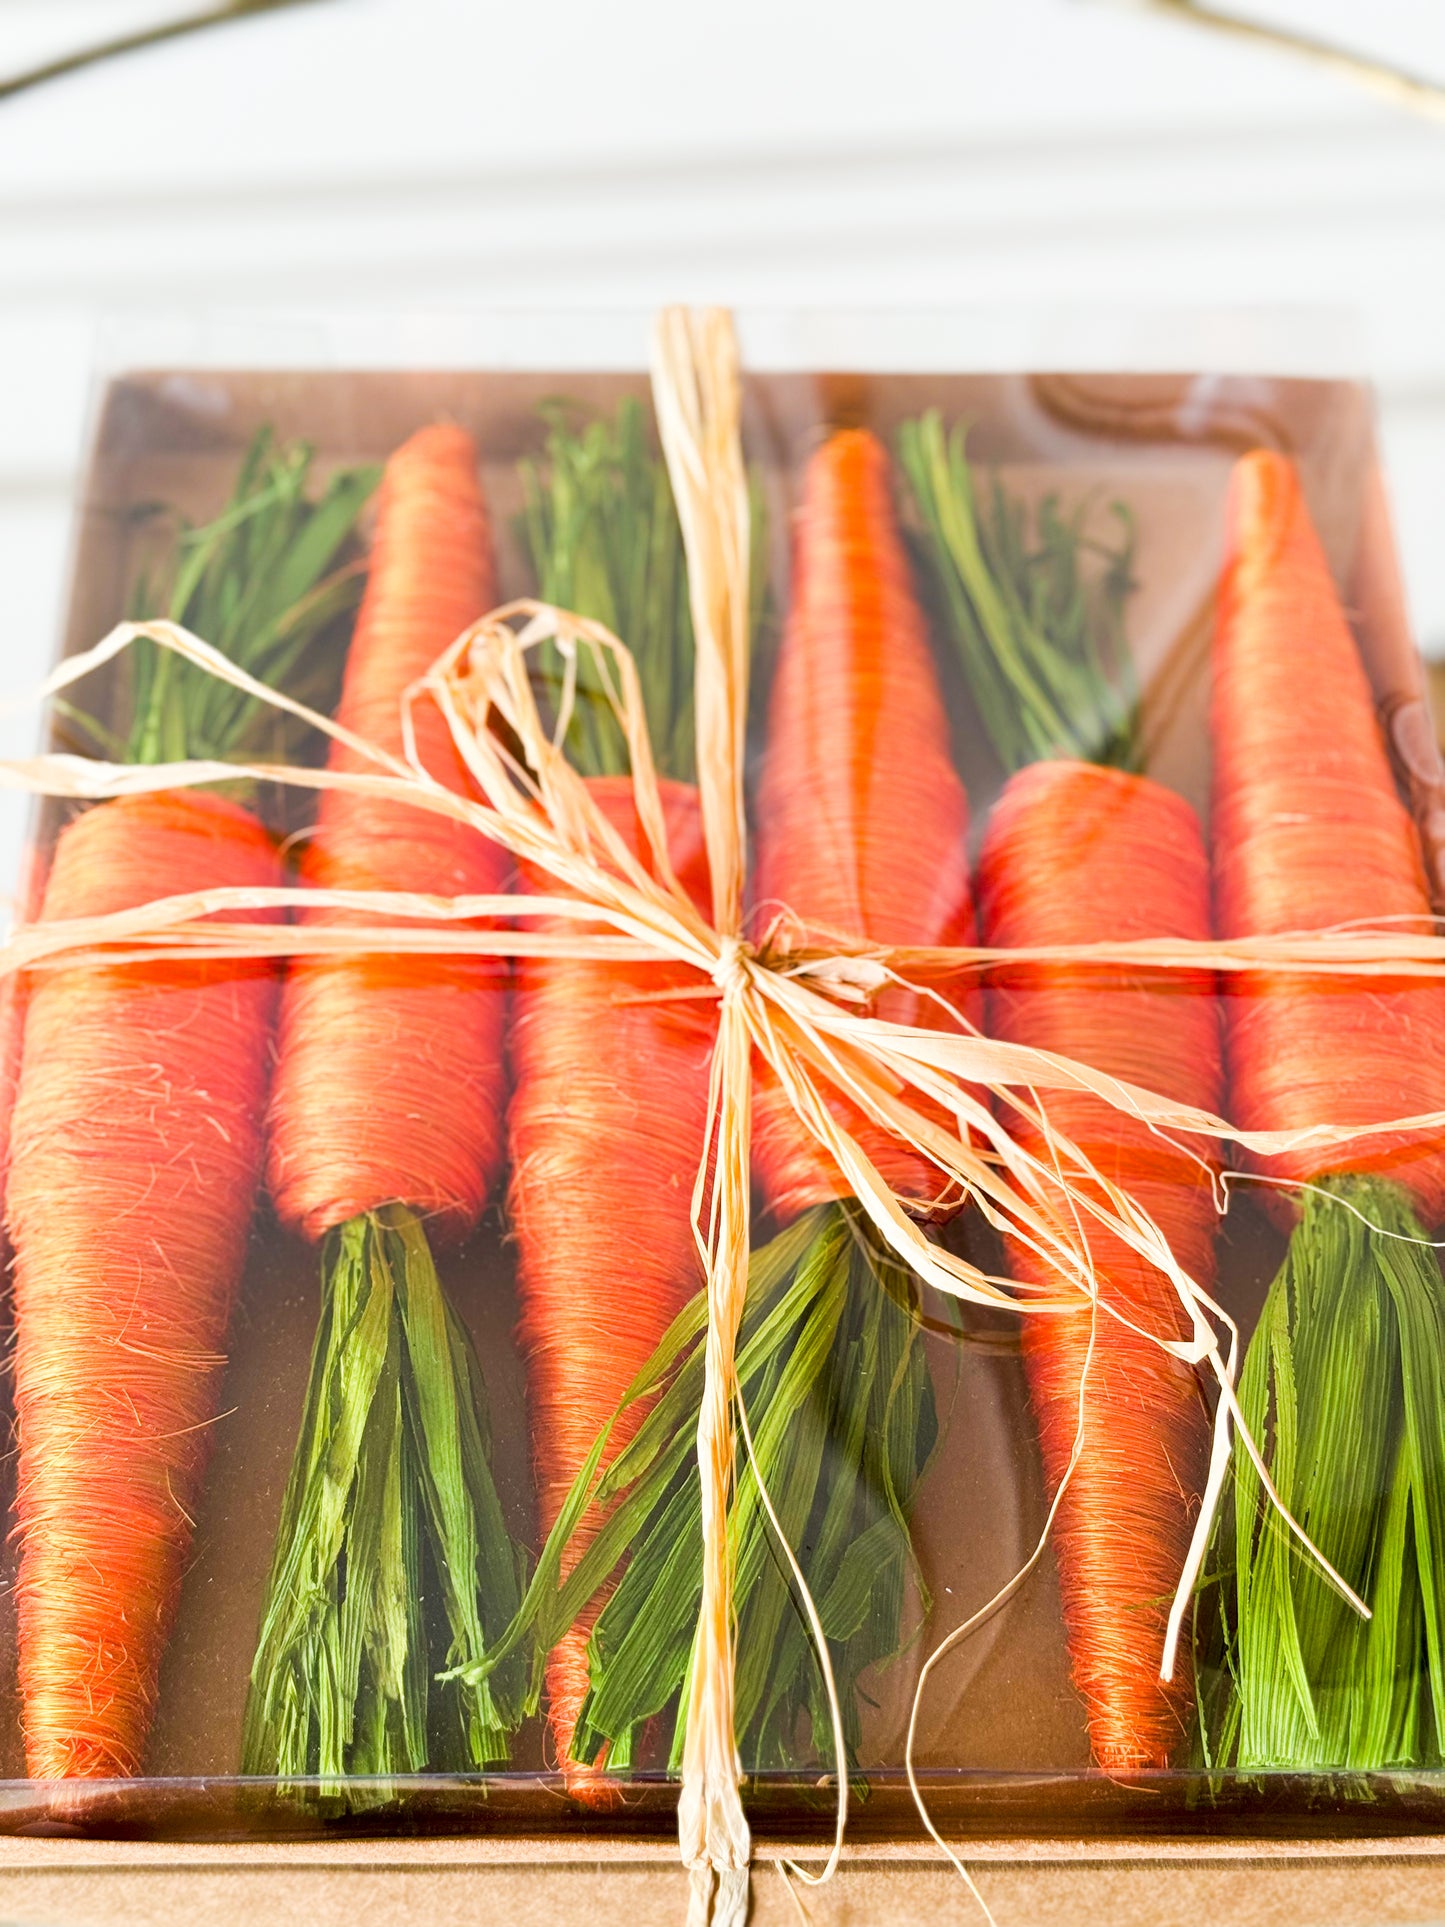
(733, 970)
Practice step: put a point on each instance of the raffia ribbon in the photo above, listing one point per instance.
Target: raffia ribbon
(802, 1009)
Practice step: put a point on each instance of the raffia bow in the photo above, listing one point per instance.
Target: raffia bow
(952, 1094)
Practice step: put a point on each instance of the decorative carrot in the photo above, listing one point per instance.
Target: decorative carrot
(830, 1373)
(609, 1110)
(863, 830)
(386, 1133)
(1076, 852)
(610, 1106)
(1344, 1381)
(863, 824)
(1079, 854)
(135, 1152)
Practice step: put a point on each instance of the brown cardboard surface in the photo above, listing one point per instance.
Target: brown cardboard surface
(1004, 1701)
(1151, 1892)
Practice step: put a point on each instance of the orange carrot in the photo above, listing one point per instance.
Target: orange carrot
(607, 1129)
(136, 1137)
(1344, 1382)
(1078, 853)
(1309, 833)
(389, 1082)
(1075, 853)
(862, 832)
(863, 829)
(386, 1128)
(135, 1152)
(607, 1117)
(863, 822)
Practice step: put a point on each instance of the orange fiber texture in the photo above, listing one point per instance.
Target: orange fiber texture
(607, 1124)
(862, 822)
(13, 998)
(389, 1084)
(1079, 854)
(12, 1036)
(135, 1153)
(1309, 832)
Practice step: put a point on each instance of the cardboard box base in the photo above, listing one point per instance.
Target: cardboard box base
(1039, 1884)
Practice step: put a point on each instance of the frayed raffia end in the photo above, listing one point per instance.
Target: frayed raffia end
(714, 1835)
(717, 1896)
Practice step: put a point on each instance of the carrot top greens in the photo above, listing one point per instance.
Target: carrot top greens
(602, 531)
(390, 1494)
(1037, 612)
(841, 1409)
(263, 583)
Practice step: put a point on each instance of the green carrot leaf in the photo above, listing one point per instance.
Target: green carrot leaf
(834, 1381)
(1036, 614)
(264, 583)
(390, 1503)
(604, 539)
(1342, 1387)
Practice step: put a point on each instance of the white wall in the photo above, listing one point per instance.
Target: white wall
(441, 154)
